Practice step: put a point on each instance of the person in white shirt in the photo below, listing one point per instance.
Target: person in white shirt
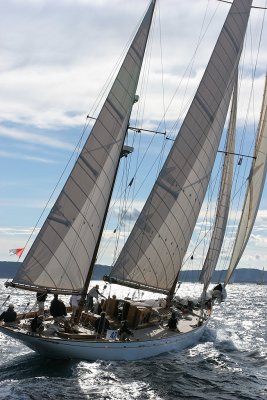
(93, 293)
(74, 302)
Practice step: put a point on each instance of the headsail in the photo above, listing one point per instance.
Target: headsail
(154, 251)
(61, 255)
(224, 197)
(256, 182)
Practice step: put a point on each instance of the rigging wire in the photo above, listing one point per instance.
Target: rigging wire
(162, 85)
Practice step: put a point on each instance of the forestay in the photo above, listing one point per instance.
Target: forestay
(255, 187)
(61, 255)
(154, 251)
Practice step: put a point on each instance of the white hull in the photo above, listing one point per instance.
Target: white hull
(106, 350)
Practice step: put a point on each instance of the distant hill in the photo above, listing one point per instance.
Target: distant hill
(241, 275)
(8, 269)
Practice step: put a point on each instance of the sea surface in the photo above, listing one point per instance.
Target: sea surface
(229, 362)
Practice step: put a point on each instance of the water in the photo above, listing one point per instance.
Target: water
(229, 363)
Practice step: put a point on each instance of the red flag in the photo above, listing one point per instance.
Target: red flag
(16, 252)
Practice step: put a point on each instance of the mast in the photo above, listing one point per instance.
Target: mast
(147, 22)
(173, 288)
(254, 191)
(92, 265)
(224, 197)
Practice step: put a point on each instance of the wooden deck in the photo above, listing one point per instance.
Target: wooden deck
(147, 331)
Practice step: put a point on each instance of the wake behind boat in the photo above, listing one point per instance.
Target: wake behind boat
(63, 256)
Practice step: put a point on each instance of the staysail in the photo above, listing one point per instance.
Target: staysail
(154, 251)
(224, 197)
(255, 187)
(60, 257)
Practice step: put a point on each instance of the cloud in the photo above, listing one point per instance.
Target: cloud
(24, 203)
(37, 139)
(259, 240)
(18, 156)
(56, 58)
(19, 230)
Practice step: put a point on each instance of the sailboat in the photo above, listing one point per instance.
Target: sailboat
(64, 253)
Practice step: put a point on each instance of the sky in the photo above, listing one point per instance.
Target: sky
(56, 60)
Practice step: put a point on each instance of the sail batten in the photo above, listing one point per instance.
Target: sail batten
(255, 187)
(62, 253)
(154, 251)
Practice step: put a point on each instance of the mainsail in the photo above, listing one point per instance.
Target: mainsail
(154, 251)
(224, 197)
(63, 251)
(256, 182)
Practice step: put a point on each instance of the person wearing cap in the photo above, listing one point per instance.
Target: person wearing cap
(9, 316)
(93, 293)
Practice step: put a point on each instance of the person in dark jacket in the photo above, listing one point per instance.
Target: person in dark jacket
(172, 323)
(124, 332)
(9, 316)
(58, 309)
(37, 325)
(101, 324)
(219, 293)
